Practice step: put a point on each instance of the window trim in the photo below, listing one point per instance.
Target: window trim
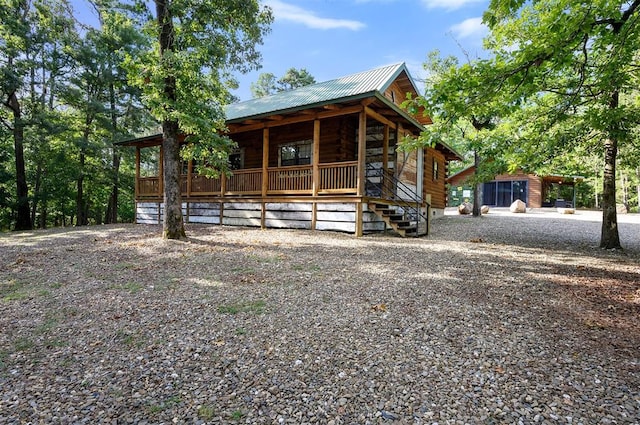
(436, 166)
(306, 142)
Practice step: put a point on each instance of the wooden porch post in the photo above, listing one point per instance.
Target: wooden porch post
(265, 175)
(137, 186)
(189, 177)
(316, 172)
(161, 184)
(161, 176)
(362, 153)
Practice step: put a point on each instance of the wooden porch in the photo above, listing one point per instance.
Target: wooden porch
(339, 178)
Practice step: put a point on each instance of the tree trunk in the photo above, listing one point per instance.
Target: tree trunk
(43, 214)
(36, 191)
(23, 217)
(624, 182)
(81, 219)
(609, 238)
(111, 215)
(638, 188)
(173, 226)
(81, 203)
(477, 195)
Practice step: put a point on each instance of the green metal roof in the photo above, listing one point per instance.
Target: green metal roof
(360, 85)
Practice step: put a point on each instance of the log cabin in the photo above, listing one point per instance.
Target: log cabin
(322, 157)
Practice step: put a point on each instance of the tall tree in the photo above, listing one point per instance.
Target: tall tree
(265, 85)
(292, 79)
(577, 61)
(103, 102)
(33, 35)
(15, 25)
(450, 100)
(186, 81)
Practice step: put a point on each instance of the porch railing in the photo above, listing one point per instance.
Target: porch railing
(383, 184)
(244, 182)
(294, 179)
(337, 177)
(341, 177)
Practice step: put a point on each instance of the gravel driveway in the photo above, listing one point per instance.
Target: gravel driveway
(514, 319)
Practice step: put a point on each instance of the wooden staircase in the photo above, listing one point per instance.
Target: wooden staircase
(394, 219)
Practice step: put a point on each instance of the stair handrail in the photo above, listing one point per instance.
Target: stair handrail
(394, 185)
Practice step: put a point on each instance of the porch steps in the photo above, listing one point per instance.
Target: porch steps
(394, 219)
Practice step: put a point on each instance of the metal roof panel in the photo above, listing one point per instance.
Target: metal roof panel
(351, 86)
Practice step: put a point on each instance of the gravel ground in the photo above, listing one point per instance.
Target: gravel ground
(515, 319)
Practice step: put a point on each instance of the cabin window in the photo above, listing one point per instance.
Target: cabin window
(236, 159)
(435, 169)
(297, 153)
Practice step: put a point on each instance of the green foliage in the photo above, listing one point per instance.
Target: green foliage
(75, 102)
(211, 39)
(292, 79)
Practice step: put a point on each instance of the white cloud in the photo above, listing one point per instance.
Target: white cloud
(289, 12)
(449, 4)
(470, 28)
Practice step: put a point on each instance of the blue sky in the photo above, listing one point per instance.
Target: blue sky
(333, 38)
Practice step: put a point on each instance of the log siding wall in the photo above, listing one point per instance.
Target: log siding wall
(435, 188)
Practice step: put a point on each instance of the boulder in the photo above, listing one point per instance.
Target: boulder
(484, 209)
(518, 207)
(465, 208)
(621, 209)
(566, 210)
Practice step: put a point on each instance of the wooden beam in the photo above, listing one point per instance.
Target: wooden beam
(362, 159)
(189, 177)
(368, 101)
(237, 128)
(378, 117)
(359, 220)
(161, 176)
(136, 188)
(362, 152)
(265, 173)
(316, 169)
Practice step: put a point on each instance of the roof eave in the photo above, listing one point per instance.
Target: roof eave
(400, 111)
(139, 140)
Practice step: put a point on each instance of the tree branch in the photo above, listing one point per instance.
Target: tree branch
(6, 124)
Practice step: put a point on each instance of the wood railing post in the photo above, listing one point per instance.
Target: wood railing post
(137, 186)
(316, 172)
(265, 162)
(362, 153)
(189, 177)
(161, 176)
(265, 176)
